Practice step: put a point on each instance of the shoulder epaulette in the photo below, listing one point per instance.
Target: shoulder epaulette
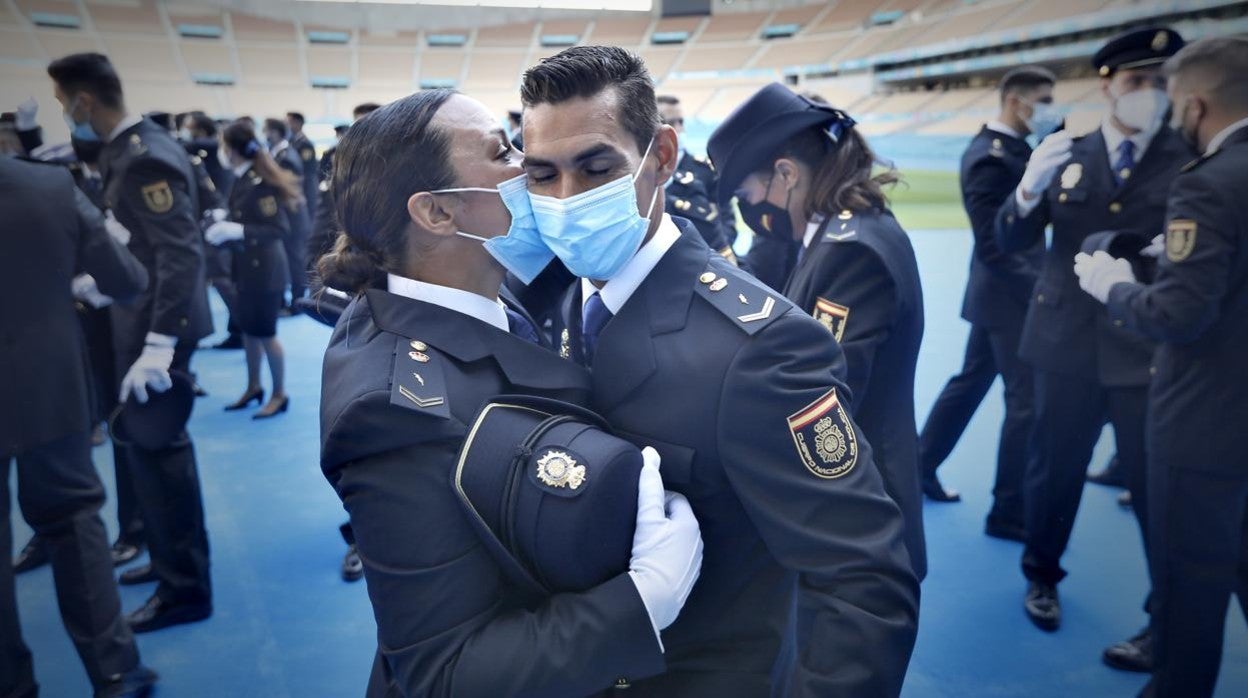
(842, 228)
(751, 306)
(418, 383)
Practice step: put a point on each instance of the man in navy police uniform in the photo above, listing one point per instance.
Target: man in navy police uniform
(1195, 308)
(1087, 367)
(995, 302)
(805, 583)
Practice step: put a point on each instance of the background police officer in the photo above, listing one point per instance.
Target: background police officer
(277, 133)
(1114, 178)
(995, 302)
(693, 188)
(1195, 308)
(150, 186)
(52, 231)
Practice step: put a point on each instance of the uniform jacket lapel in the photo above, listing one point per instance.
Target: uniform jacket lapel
(626, 356)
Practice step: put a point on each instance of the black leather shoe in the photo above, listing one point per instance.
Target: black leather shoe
(137, 575)
(136, 683)
(1043, 606)
(158, 614)
(352, 566)
(234, 341)
(1135, 654)
(937, 492)
(33, 556)
(124, 552)
(1005, 530)
(1111, 476)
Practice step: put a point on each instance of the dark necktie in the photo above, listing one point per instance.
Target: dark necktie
(521, 327)
(595, 317)
(1125, 163)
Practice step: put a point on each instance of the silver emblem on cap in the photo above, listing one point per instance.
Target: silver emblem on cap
(558, 469)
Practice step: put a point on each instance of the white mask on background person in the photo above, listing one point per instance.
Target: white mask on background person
(1142, 110)
(1045, 119)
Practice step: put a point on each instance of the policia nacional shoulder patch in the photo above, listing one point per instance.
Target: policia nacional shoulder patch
(824, 437)
(1180, 239)
(832, 316)
(158, 197)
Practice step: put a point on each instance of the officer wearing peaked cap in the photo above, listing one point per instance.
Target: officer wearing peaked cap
(856, 272)
(1195, 309)
(1088, 367)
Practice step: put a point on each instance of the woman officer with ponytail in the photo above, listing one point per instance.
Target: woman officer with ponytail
(261, 203)
(434, 212)
(801, 172)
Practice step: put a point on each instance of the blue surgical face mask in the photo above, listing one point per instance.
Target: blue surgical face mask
(521, 251)
(1045, 119)
(596, 232)
(81, 131)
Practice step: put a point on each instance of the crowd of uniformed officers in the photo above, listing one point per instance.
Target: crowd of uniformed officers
(779, 543)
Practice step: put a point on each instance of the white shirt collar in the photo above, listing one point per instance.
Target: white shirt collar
(1001, 128)
(124, 124)
(466, 302)
(1114, 138)
(618, 290)
(242, 169)
(279, 146)
(1224, 134)
(812, 227)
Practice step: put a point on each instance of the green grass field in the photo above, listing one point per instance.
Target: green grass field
(924, 200)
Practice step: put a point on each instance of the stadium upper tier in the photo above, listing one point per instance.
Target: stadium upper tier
(228, 62)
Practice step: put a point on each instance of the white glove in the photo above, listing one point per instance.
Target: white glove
(1156, 247)
(85, 290)
(151, 369)
(26, 112)
(1051, 154)
(116, 229)
(218, 215)
(667, 546)
(222, 232)
(1099, 272)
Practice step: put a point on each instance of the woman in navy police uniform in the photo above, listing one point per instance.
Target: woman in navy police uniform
(262, 201)
(801, 170)
(425, 343)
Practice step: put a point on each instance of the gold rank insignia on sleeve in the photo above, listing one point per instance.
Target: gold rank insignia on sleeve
(824, 437)
(1180, 239)
(158, 197)
(831, 315)
(268, 206)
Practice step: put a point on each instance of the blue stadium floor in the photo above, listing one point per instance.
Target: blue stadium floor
(286, 625)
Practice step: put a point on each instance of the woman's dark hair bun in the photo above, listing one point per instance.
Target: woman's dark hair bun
(348, 268)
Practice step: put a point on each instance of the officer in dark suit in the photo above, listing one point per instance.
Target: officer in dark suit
(1088, 367)
(692, 192)
(1195, 309)
(296, 243)
(426, 343)
(856, 273)
(54, 231)
(149, 185)
(995, 303)
(805, 583)
(306, 151)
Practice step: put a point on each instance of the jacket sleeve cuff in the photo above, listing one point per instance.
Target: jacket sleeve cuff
(1024, 206)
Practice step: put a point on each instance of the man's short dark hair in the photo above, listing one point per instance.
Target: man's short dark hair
(296, 116)
(92, 73)
(584, 71)
(667, 100)
(1025, 78)
(1220, 64)
(202, 122)
(365, 108)
(277, 125)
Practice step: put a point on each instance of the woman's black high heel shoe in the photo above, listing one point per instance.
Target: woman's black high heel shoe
(257, 395)
(276, 411)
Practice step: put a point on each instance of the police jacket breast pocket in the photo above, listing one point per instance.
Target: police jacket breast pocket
(1068, 197)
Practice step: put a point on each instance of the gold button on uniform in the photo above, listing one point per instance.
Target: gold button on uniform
(707, 277)
(417, 356)
(1062, 197)
(419, 345)
(1117, 323)
(622, 683)
(1152, 370)
(1040, 298)
(1115, 207)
